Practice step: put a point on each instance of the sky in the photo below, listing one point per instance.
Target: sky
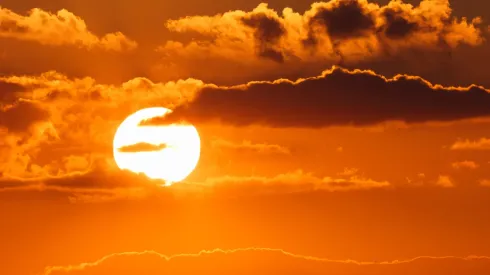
(338, 137)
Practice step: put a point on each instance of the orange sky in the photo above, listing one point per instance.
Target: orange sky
(341, 137)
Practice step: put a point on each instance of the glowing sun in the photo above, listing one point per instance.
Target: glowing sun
(167, 152)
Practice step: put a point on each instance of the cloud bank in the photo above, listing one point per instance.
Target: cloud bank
(337, 97)
(334, 31)
(62, 28)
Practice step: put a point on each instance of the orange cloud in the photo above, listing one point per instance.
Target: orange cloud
(80, 117)
(97, 179)
(348, 172)
(62, 28)
(20, 116)
(485, 183)
(51, 116)
(481, 144)
(465, 164)
(81, 180)
(249, 146)
(297, 181)
(336, 31)
(445, 181)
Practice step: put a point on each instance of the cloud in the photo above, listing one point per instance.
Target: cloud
(481, 144)
(445, 181)
(62, 28)
(141, 147)
(348, 172)
(9, 92)
(246, 145)
(333, 31)
(222, 261)
(79, 118)
(46, 118)
(83, 180)
(485, 183)
(292, 182)
(338, 97)
(97, 179)
(465, 164)
(20, 116)
(267, 32)
(341, 20)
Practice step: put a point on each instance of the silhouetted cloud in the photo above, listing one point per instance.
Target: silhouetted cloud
(340, 20)
(337, 97)
(398, 25)
(267, 32)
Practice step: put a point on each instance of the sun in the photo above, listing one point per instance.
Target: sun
(168, 152)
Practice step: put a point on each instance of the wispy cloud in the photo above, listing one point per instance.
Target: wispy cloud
(87, 265)
(445, 181)
(465, 164)
(480, 144)
(263, 148)
(141, 147)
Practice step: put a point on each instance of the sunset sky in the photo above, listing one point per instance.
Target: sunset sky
(342, 137)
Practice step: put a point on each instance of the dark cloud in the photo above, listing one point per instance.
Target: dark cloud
(12, 26)
(402, 37)
(9, 91)
(397, 25)
(98, 184)
(20, 116)
(267, 32)
(342, 20)
(98, 179)
(142, 147)
(337, 97)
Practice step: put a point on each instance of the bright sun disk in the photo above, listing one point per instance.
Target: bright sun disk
(167, 152)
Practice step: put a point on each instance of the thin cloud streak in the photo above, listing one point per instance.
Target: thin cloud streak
(82, 266)
(142, 147)
(481, 144)
(263, 148)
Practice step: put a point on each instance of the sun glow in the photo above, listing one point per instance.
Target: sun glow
(168, 152)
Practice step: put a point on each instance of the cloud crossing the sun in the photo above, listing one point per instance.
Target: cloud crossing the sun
(142, 147)
(338, 97)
